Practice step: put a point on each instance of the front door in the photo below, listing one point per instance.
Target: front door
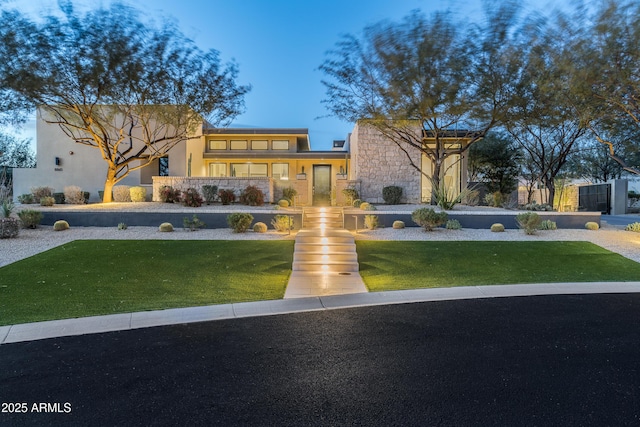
(321, 185)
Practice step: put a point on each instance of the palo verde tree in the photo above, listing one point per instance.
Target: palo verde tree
(419, 79)
(113, 82)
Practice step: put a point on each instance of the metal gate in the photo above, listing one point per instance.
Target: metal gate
(595, 198)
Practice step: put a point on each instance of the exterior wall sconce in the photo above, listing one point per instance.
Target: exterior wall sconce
(58, 161)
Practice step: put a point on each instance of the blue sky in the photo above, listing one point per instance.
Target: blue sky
(279, 45)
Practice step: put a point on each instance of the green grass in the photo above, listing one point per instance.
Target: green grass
(391, 265)
(96, 277)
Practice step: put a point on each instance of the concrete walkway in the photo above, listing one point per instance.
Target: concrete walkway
(128, 321)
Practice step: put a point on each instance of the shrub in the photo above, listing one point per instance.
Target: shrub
(40, 192)
(192, 198)
(60, 225)
(371, 221)
(290, 194)
(25, 199)
(428, 218)
(283, 203)
(30, 218)
(350, 195)
(165, 227)
(446, 196)
(240, 221)
(392, 194)
(73, 195)
(472, 198)
(357, 202)
(497, 228)
(138, 194)
(122, 193)
(282, 223)
(122, 226)
(592, 226)
(260, 227)
(59, 198)
(7, 207)
(547, 224)
(368, 207)
(529, 222)
(47, 201)
(9, 227)
(86, 196)
(453, 224)
(398, 224)
(252, 196)
(209, 192)
(169, 195)
(537, 207)
(633, 227)
(193, 224)
(227, 196)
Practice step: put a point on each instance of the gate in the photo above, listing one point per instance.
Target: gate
(595, 198)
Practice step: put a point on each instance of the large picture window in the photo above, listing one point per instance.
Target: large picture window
(239, 144)
(217, 144)
(217, 169)
(245, 170)
(279, 144)
(280, 170)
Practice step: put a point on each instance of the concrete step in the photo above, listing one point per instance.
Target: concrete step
(336, 266)
(325, 257)
(324, 240)
(319, 248)
(327, 233)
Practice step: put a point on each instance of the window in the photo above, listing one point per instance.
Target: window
(163, 166)
(249, 170)
(279, 145)
(217, 145)
(217, 169)
(239, 144)
(259, 144)
(280, 170)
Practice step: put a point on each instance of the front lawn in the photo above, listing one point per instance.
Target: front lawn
(95, 277)
(393, 265)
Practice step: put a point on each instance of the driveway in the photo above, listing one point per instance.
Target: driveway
(543, 360)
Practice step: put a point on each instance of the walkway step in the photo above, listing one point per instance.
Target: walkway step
(325, 256)
(320, 247)
(334, 266)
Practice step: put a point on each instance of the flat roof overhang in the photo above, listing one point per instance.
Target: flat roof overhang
(308, 155)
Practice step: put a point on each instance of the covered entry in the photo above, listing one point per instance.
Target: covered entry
(321, 185)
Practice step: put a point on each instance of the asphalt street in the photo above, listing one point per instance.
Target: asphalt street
(545, 360)
(622, 220)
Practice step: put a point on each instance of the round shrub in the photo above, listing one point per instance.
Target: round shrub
(357, 203)
(428, 218)
(138, 194)
(365, 206)
(453, 224)
(547, 224)
(9, 227)
(47, 201)
(497, 227)
(30, 218)
(371, 222)
(392, 194)
(635, 227)
(59, 198)
(398, 225)
(165, 227)
(240, 221)
(122, 194)
(60, 225)
(252, 196)
(209, 192)
(260, 227)
(26, 199)
(529, 222)
(167, 194)
(283, 203)
(74, 195)
(192, 198)
(227, 196)
(591, 226)
(282, 223)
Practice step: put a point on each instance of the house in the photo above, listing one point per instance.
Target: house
(271, 159)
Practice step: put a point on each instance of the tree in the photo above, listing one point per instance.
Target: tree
(16, 153)
(496, 161)
(115, 83)
(420, 79)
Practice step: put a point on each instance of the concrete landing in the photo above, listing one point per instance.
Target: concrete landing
(304, 284)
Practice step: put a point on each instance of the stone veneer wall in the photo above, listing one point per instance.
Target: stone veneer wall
(266, 185)
(378, 162)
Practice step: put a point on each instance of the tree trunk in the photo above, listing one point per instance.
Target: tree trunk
(435, 180)
(552, 192)
(107, 197)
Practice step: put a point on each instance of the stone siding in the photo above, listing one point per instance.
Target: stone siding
(266, 185)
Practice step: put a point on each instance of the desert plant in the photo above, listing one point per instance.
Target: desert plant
(282, 223)
(290, 194)
(30, 218)
(398, 225)
(59, 198)
(534, 206)
(368, 207)
(60, 225)
(9, 228)
(356, 203)
(7, 207)
(428, 218)
(86, 196)
(592, 226)
(25, 199)
(252, 196)
(547, 224)
(350, 195)
(283, 203)
(260, 227)
(165, 227)
(472, 198)
(193, 224)
(40, 192)
(47, 201)
(121, 193)
(73, 195)
(122, 226)
(635, 226)
(453, 224)
(445, 196)
(529, 222)
(209, 192)
(497, 228)
(227, 196)
(392, 194)
(240, 221)
(168, 194)
(371, 221)
(138, 194)
(191, 197)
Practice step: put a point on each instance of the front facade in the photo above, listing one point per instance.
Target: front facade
(272, 159)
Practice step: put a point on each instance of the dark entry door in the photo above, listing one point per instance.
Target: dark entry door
(322, 185)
